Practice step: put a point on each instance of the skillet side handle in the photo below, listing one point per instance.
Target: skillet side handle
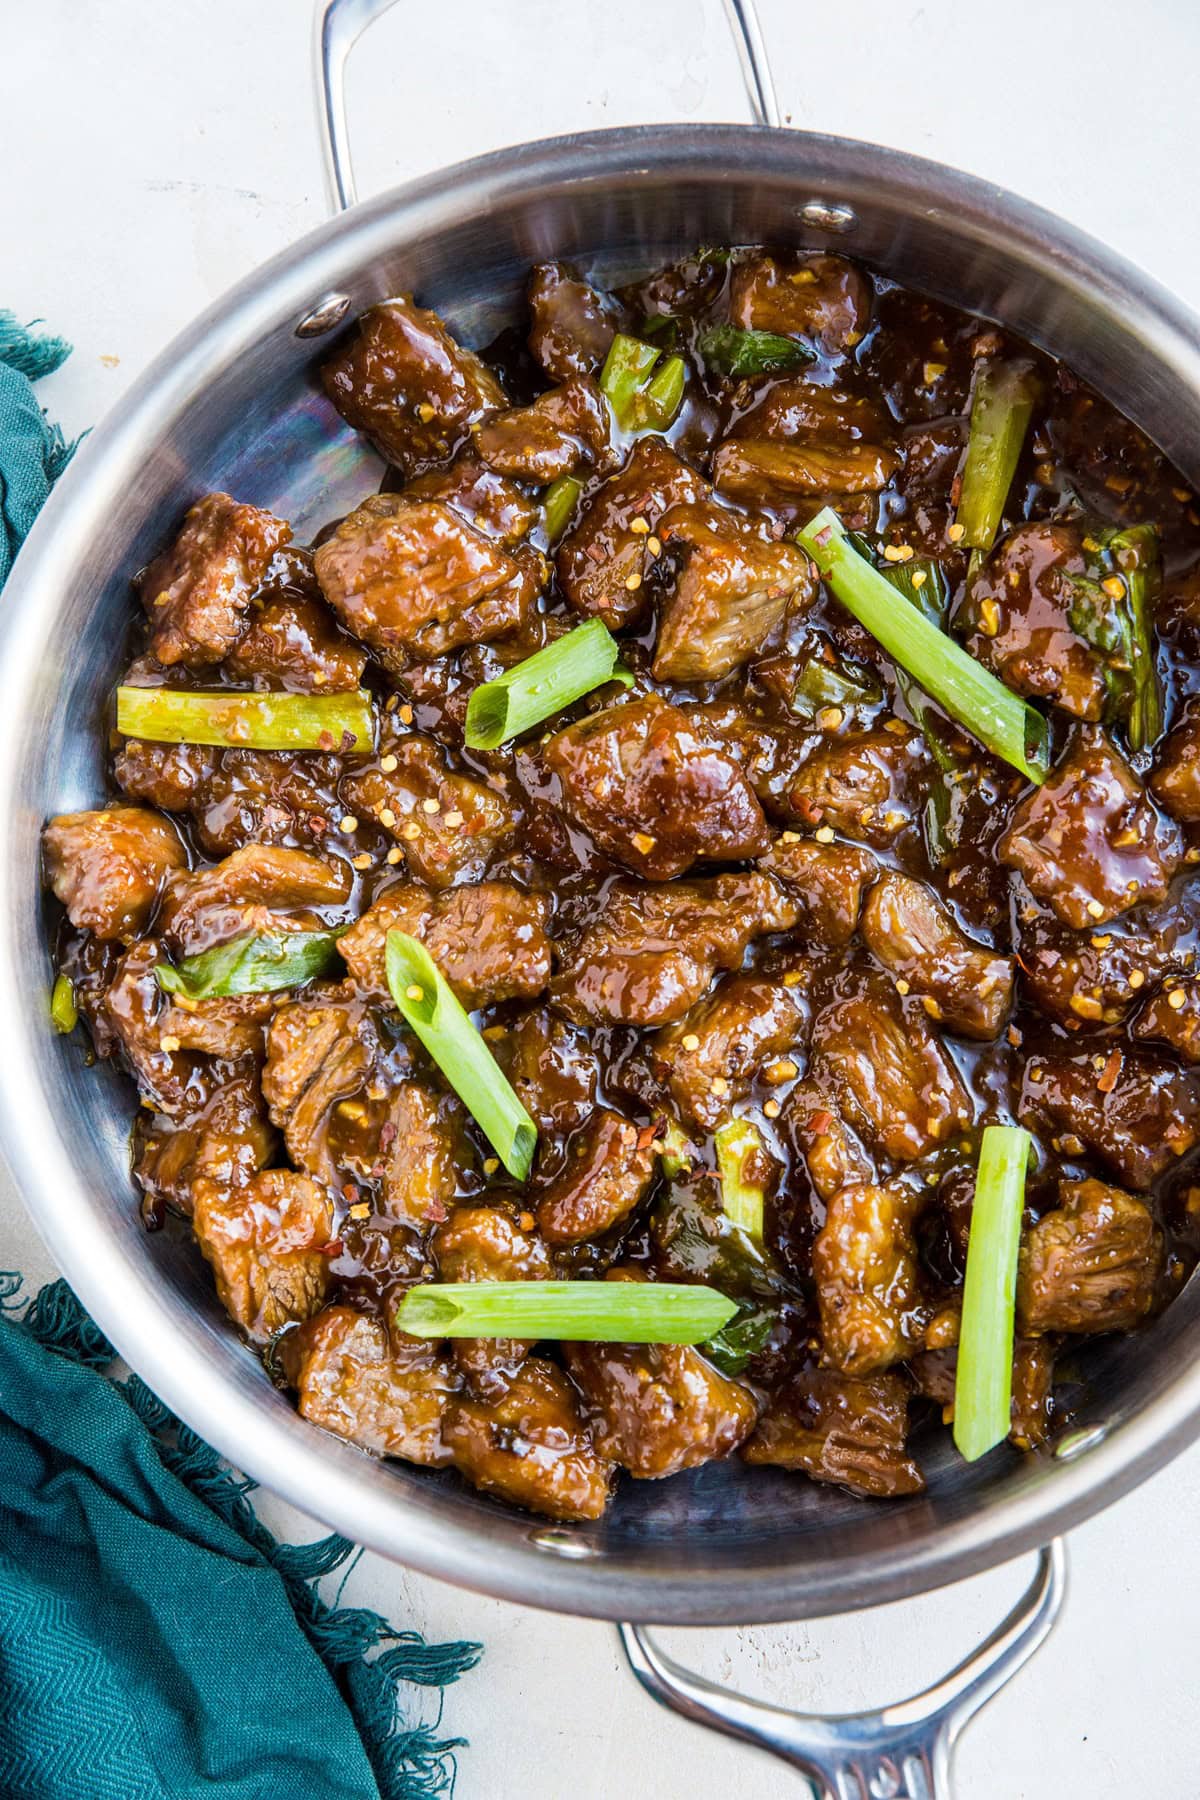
(902, 1751)
(338, 24)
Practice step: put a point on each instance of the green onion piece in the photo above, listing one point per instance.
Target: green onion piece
(732, 1348)
(336, 723)
(662, 326)
(543, 685)
(675, 1151)
(611, 1312)
(660, 400)
(558, 504)
(256, 962)
(733, 351)
(962, 687)
(983, 1384)
(1001, 407)
(427, 1003)
(925, 586)
(820, 684)
(626, 370)
(1136, 554)
(739, 1147)
(63, 1010)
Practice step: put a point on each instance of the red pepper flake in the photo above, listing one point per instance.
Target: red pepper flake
(349, 739)
(820, 1122)
(823, 536)
(436, 1211)
(1112, 1068)
(804, 808)
(387, 1136)
(594, 553)
(350, 1194)
(332, 1248)
(318, 824)
(649, 1133)
(325, 740)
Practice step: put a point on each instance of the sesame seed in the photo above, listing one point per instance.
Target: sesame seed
(389, 764)
(1096, 909)
(391, 703)
(772, 1108)
(387, 817)
(411, 831)
(1102, 943)
(793, 978)
(526, 1221)
(634, 581)
(169, 1044)
(361, 1210)
(1137, 978)
(405, 715)
(784, 1069)
(414, 992)
(824, 834)
(1114, 587)
(718, 1085)
(640, 525)
(453, 820)
(654, 546)
(1176, 999)
(691, 1041)
(789, 837)
(919, 578)
(1035, 1075)
(362, 861)
(430, 806)
(902, 986)
(989, 617)
(643, 843)
(490, 1164)
(425, 412)
(955, 532)
(830, 717)
(933, 372)
(394, 855)
(931, 1006)
(348, 823)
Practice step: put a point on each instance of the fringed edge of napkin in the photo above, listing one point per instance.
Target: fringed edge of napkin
(409, 1762)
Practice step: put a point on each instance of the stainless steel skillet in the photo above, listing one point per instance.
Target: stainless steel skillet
(232, 404)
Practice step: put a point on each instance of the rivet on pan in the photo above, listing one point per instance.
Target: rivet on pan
(1076, 1442)
(563, 1543)
(327, 313)
(828, 215)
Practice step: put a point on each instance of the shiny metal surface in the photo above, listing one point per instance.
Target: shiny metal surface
(232, 404)
(903, 1751)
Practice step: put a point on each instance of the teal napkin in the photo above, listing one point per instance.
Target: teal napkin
(156, 1641)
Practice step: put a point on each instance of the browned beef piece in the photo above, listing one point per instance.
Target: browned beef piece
(489, 941)
(489, 502)
(884, 1069)
(659, 1408)
(231, 1029)
(268, 1242)
(653, 792)
(1021, 602)
(1143, 1119)
(404, 382)
(834, 1428)
(257, 887)
(448, 825)
(711, 1057)
(197, 593)
(733, 585)
(421, 1150)
(604, 560)
(1090, 842)
(413, 579)
(109, 867)
(560, 432)
(257, 797)
(827, 881)
(961, 984)
(387, 1396)
(801, 407)
(932, 454)
(293, 642)
(862, 783)
(822, 297)
(131, 1011)
(320, 1051)
(1176, 778)
(788, 478)
(227, 1138)
(552, 1069)
(1172, 1016)
(530, 1445)
(865, 1267)
(609, 1165)
(647, 955)
(1094, 977)
(832, 1153)
(489, 1243)
(1093, 1264)
(571, 325)
(168, 775)
(935, 1371)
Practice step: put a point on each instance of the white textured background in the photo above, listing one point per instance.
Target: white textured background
(153, 152)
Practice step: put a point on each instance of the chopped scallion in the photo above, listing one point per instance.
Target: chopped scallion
(983, 1383)
(1001, 407)
(335, 723)
(615, 1312)
(732, 351)
(962, 687)
(256, 962)
(739, 1147)
(63, 1010)
(543, 685)
(426, 1003)
(643, 397)
(558, 504)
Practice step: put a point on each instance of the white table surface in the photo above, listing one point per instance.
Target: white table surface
(153, 153)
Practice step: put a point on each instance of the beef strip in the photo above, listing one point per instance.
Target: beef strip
(935, 1373)
(827, 881)
(561, 432)
(606, 1169)
(196, 594)
(1142, 1120)
(552, 1069)
(801, 407)
(864, 1264)
(422, 1150)
(1172, 1016)
(267, 1242)
(530, 1445)
(832, 1153)
(884, 1070)
(171, 776)
(571, 324)
(648, 954)
(489, 941)
(1093, 1264)
(1175, 782)
(652, 791)
(132, 1010)
(228, 1137)
(320, 1051)
(962, 985)
(861, 784)
(822, 297)
(255, 889)
(489, 1243)
(491, 503)
(293, 642)
(448, 825)
(1090, 978)
(837, 1429)
(732, 588)
(404, 382)
(793, 478)
(1090, 842)
(413, 579)
(386, 1396)
(109, 867)
(604, 560)
(710, 1058)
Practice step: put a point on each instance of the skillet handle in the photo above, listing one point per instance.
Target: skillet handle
(899, 1752)
(338, 24)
